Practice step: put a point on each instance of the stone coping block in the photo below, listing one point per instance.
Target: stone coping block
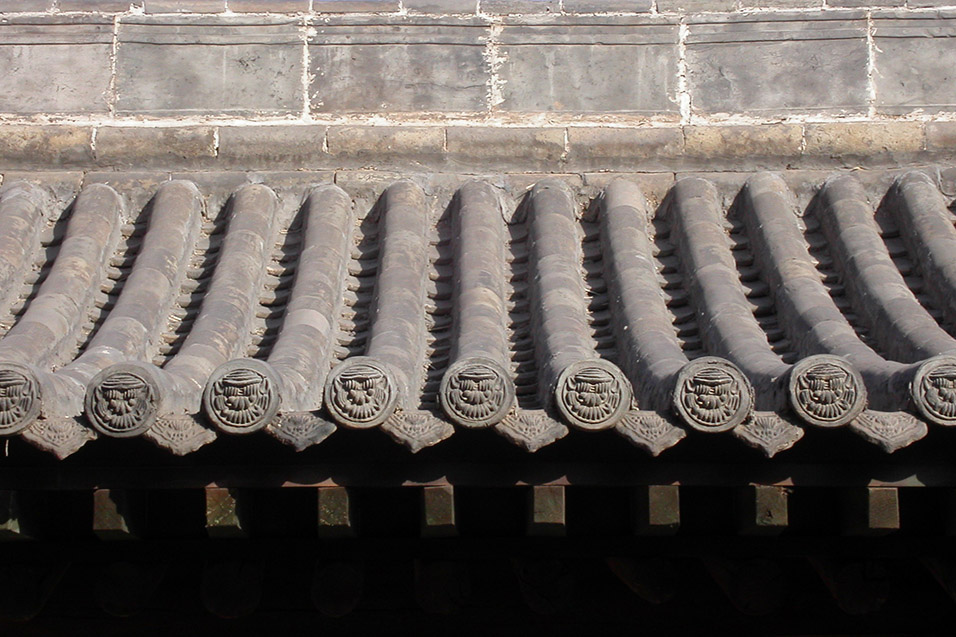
(915, 54)
(55, 64)
(457, 148)
(405, 65)
(209, 65)
(778, 63)
(561, 65)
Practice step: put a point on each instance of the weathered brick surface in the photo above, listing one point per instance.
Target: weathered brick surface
(26, 5)
(360, 146)
(55, 64)
(696, 5)
(269, 6)
(863, 3)
(602, 6)
(410, 65)
(915, 61)
(623, 148)
(861, 141)
(44, 146)
(109, 6)
(272, 146)
(579, 66)
(780, 4)
(441, 6)
(141, 147)
(746, 146)
(527, 148)
(782, 63)
(358, 6)
(205, 65)
(520, 6)
(193, 6)
(941, 136)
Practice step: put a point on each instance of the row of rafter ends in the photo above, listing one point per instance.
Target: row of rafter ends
(649, 390)
(234, 582)
(654, 510)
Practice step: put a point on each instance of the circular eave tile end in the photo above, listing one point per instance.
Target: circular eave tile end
(361, 393)
(826, 391)
(592, 394)
(122, 401)
(934, 390)
(713, 395)
(241, 396)
(476, 392)
(20, 398)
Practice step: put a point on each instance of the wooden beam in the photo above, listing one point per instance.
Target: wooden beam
(337, 588)
(441, 587)
(546, 585)
(231, 588)
(334, 512)
(871, 511)
(858, 587)
(10, 517)
(756, 587)
(762, 510)
(546, 510)
(657, 509)
(653, 579)
(223, 518)
(438, 511)
(117, 514)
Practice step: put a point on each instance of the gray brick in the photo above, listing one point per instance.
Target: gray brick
(493, 148)
(9, 6)
(47, 147)
(167, 147)
(623, 148)
(941, 136)
(402, 66)
(55, 64)
(269, 6)
(106, 6)
(603, 6)
(775, 64)
(190, 6)
(222, 66)
(865, 3)
(915, 4)
(590, 66)
(689, 6)
(502, 7)
(442, 6)
(915, 62)
(356, 6)
(781, 4)
(856, 142)
(268, 147)
(408, 146)
(747, 146)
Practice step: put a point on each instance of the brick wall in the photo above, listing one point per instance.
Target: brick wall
(576, 84)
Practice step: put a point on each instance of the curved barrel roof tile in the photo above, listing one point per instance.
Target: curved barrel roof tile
(550, 318)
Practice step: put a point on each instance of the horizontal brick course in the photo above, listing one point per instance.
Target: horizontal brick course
(206, 65)
(48, 147)
(525, 148)
(372, 146)
(623, 148)
(274, 146)
(140, 147)
(863, 141)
